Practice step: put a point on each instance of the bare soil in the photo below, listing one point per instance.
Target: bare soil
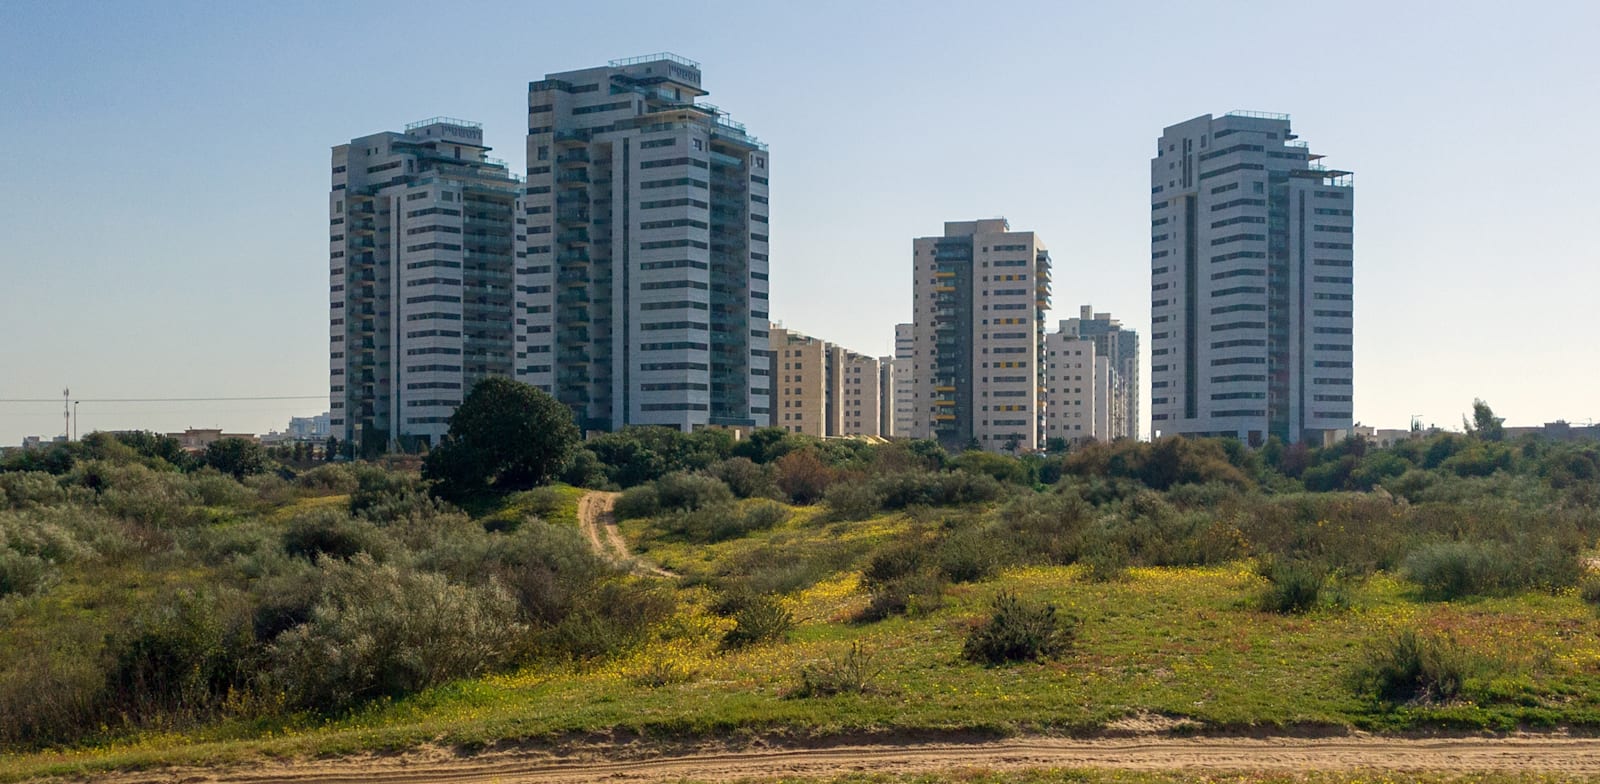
(626, 762)
(599, 526)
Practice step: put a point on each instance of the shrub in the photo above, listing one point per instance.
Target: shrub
(332, 534)
(803, 477)
(1455, 569)
(331, 479)
(758, 618)
(640, 501)
(916, 593)
(179, 661)
(853, 672)
(614, 618)
(852, 500)
(1413, 668)
(24, 489)
(971, 554)
(1018, 630)
(1589, 589)
(381, 630)
(55, 699)
(214, 489)
(744, 477)
(24, 574)
(689, 492)
(1293, 586)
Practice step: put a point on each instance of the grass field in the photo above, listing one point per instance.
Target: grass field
(1185, 648)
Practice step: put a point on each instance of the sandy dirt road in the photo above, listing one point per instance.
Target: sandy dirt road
(1535, 753)
(599, 526)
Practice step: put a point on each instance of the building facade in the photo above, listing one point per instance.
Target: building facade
(642, 291)
(1119, 347)
(905, 390)
(1073, 371)
(1251, 285)
(979, 299)
(421, 261)
(822, 389)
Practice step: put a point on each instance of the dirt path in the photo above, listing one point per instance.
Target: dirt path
(1547, 754)
(599, 526)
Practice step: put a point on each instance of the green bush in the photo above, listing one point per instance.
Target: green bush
(1293, 586)
(613, 618)
(745, 478)
(1018, 630)
(179, 661)
(855, 671)
(970, 554)
(24, 489)
(333, 534)
(330, 479)
(689, 492)
(914, 594)
(1412, 668)
(1589, 589)
(758, 618)
(1455, 569)
(852, 500)
(637, 502)
(381, 630)
(24, 575)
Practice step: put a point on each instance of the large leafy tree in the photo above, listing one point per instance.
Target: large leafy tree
(505, 435)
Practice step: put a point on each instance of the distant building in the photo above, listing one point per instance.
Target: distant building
(1119, 347)
(980, 293)
(422, 225)
(905, 388)
(312, 428)
(821, 389)
(886, 396)
(1076, 384)
(197, 439)
(642, 299)
(1250, 293)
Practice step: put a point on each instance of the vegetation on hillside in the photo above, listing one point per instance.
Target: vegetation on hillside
(822, 585)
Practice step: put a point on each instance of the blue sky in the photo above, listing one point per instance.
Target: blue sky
(164, 170)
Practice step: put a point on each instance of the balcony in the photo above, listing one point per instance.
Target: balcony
(579, 157)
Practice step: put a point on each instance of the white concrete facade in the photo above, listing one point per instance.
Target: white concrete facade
(979, 296)
(642, 292)
(1251, 285)
(421, 238)
(904, 382)
(1071, 369)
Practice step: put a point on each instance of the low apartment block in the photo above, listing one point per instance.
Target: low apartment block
(822, 389)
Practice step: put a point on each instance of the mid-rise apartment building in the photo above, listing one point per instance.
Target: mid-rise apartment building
(642, 294)
(980, 294)
(421, 260)
(822, 389)
(1251, 285)
(1119, 347)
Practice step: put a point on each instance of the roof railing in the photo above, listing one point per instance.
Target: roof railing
(1259, 115)
(650, 58)
(443, 121)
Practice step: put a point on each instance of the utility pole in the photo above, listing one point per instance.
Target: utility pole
(66, 414)
(74, 420)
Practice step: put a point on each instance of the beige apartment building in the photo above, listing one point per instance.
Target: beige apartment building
(1074, 377)
(980, 295)
(822, 389)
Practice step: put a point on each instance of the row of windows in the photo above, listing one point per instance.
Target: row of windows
(659, 325)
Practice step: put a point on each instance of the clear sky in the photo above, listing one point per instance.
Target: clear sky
(164, 170)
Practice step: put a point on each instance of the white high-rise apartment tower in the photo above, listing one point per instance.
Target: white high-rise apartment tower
(421, 234)
(1250, 293)
(980, 294)
(642, 297)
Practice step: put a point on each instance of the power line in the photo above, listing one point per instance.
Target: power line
(164, 399)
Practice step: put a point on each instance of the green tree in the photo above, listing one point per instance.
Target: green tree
(1485, 425)
(505, 435)
(236, 456)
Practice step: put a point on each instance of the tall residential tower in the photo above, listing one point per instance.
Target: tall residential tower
(980, 294)
(421, 234)
(1250, 293)
(642, 297)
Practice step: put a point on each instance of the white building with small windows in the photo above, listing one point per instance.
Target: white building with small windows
(980, 292)
(642, 289)
(1251, 247)
(421, 224)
